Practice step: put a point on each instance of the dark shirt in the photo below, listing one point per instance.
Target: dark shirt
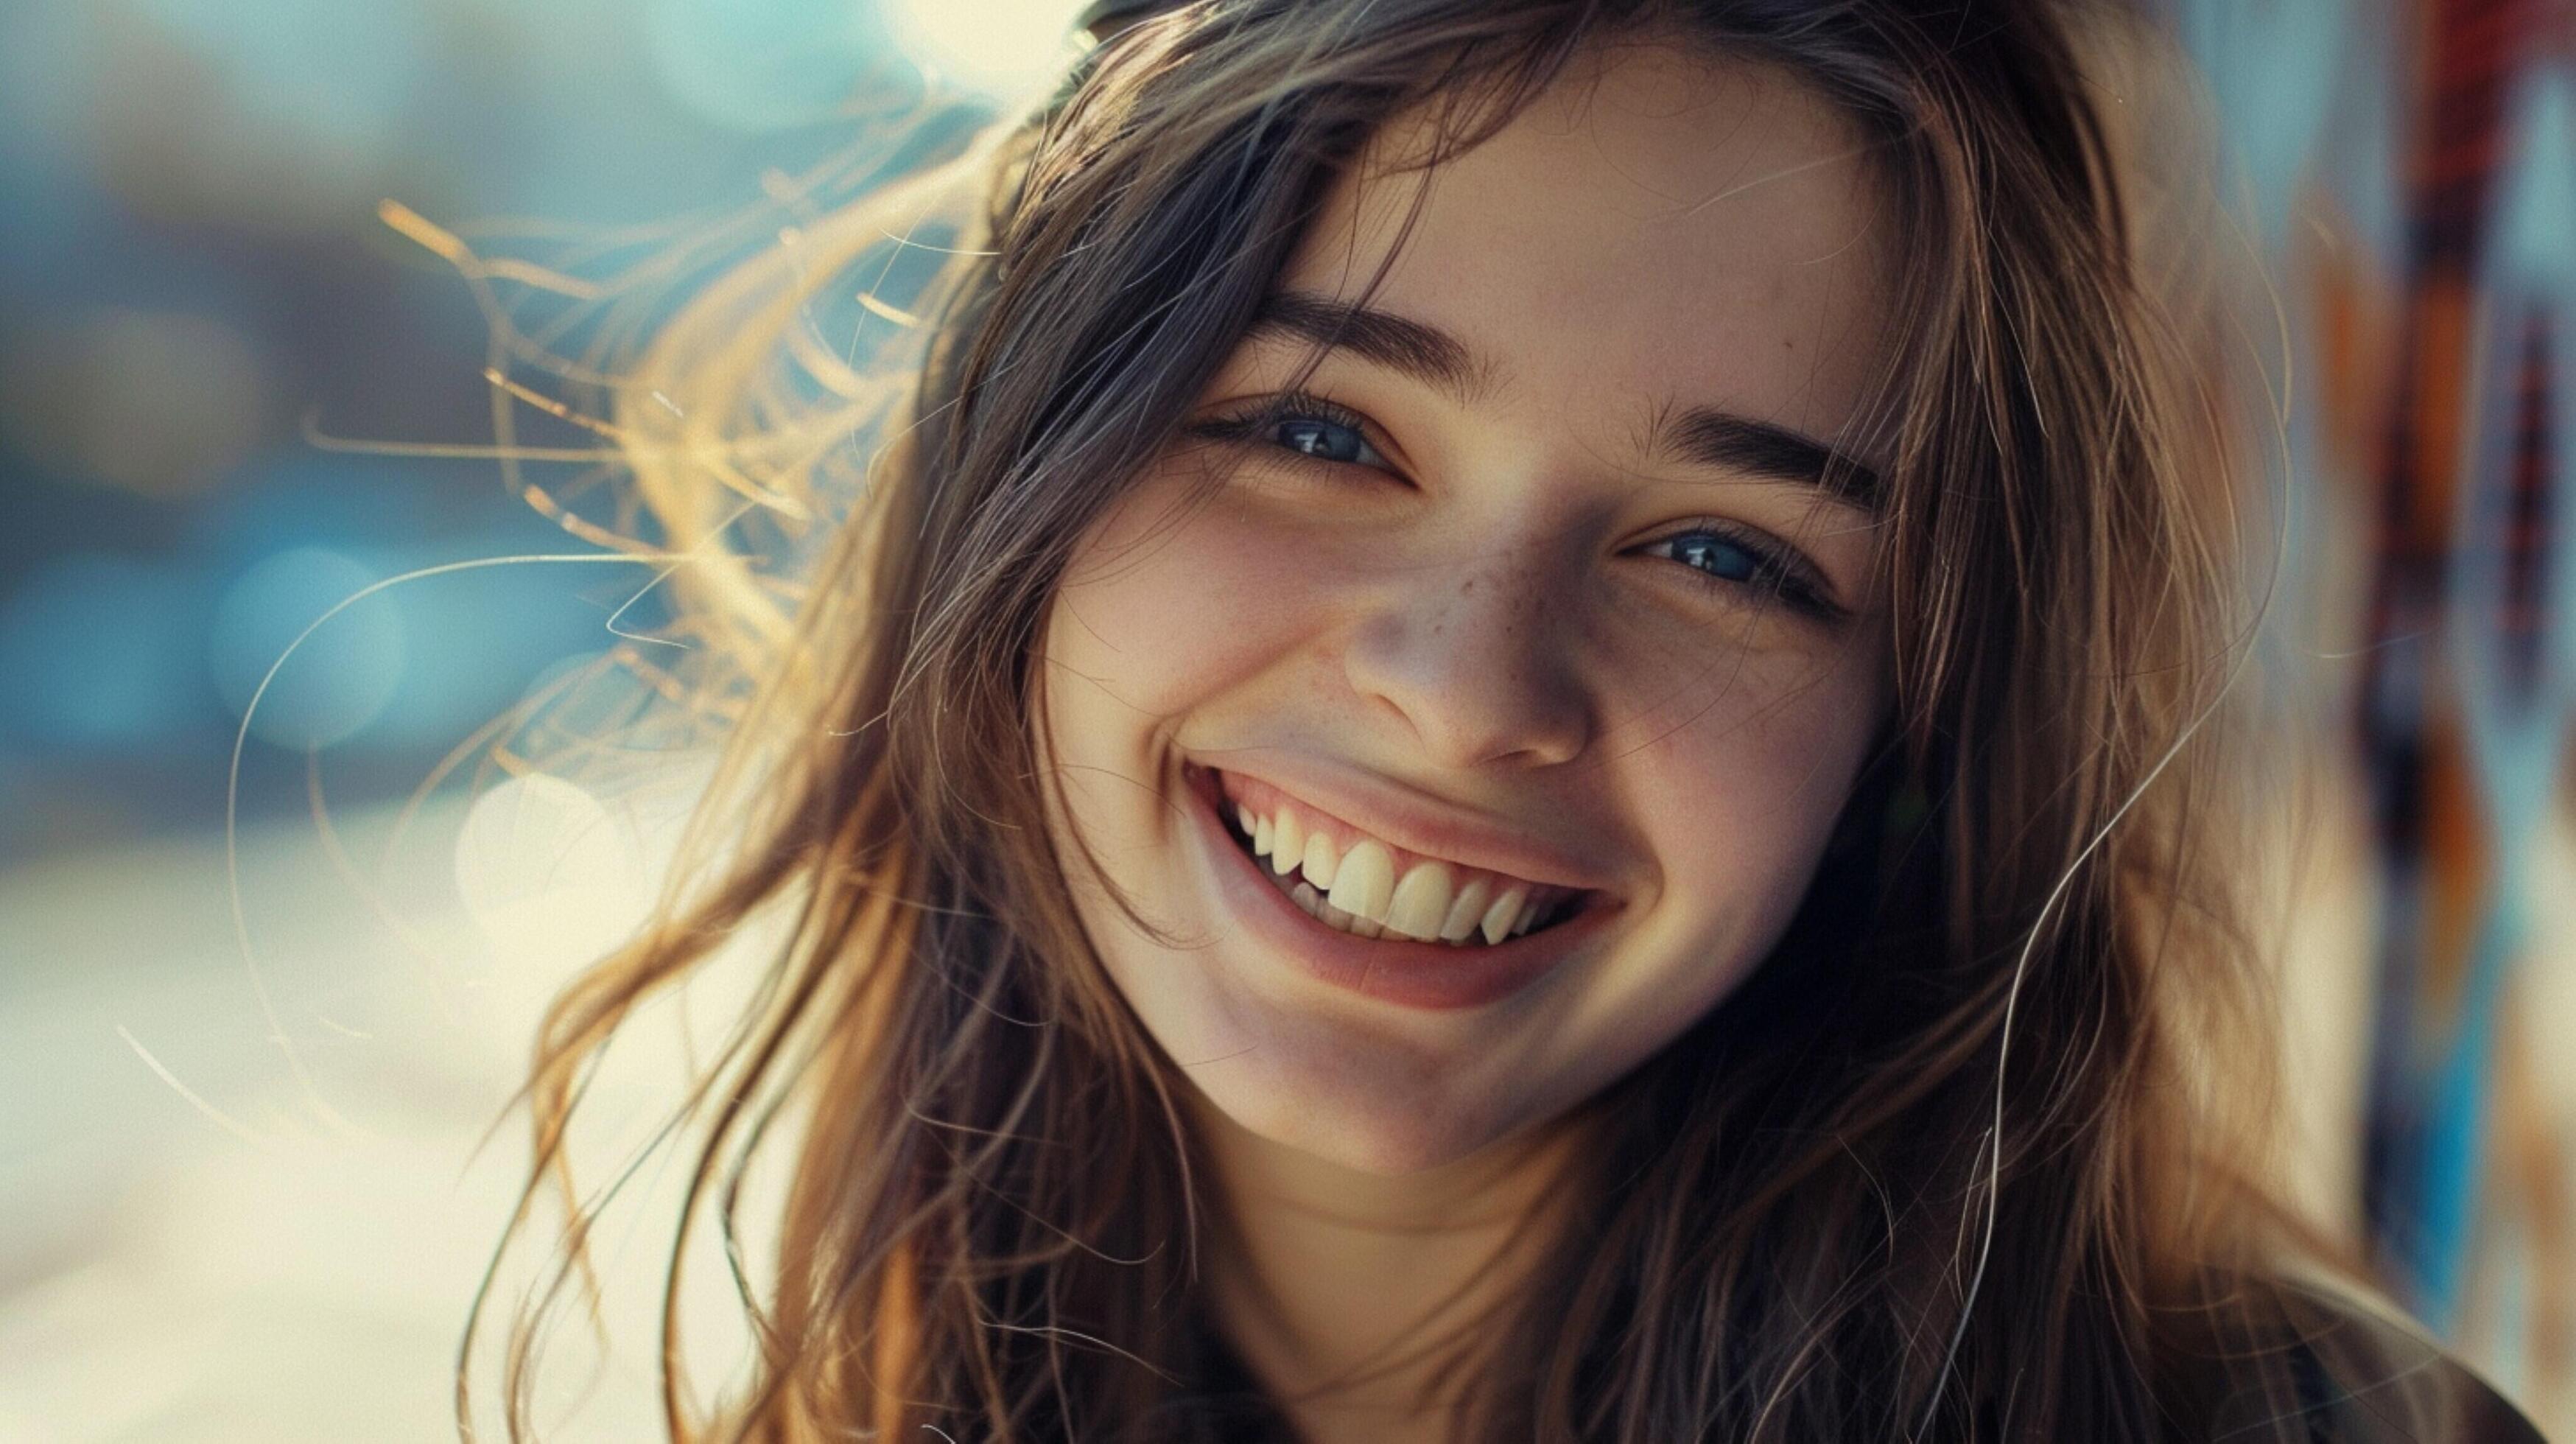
(2332, 1370)
(2352, 1374)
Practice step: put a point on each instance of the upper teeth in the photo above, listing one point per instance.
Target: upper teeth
(1357, 890)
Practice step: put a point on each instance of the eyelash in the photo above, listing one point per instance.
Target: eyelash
(1777, 574)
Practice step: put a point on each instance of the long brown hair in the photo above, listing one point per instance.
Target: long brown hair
(1978, 1152)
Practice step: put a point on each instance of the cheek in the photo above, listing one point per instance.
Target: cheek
(1762, 763)
(1738, 793)
(1162, 608)
(1163, 611)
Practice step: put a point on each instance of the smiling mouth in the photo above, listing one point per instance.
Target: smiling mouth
(1482, 910)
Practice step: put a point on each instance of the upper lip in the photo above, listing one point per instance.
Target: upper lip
(1428, 826)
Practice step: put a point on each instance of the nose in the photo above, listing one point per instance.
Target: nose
(1474, 658)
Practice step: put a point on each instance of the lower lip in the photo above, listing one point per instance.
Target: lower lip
(1433, 976)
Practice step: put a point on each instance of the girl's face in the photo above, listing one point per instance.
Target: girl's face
(1536, 588)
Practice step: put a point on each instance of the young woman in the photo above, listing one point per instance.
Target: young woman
(1522, 740)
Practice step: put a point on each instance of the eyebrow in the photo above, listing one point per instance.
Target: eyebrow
(1705, 435)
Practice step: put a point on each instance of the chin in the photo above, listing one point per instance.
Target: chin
(1388, 1133)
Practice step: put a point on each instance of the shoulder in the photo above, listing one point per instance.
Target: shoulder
(2334, 1366)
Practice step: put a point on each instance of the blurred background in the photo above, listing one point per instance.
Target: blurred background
(242, 390)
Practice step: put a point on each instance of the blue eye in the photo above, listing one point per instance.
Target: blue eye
(1746, 569)
(1739, 565)
(1323, 439)
(1719, 556)
(1307, 425)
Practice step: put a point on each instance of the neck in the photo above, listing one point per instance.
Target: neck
(1366, 1304)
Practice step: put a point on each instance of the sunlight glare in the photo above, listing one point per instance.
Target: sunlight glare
(553, 877)
(1003, 47)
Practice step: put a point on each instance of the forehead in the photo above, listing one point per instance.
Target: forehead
(1657, 226)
